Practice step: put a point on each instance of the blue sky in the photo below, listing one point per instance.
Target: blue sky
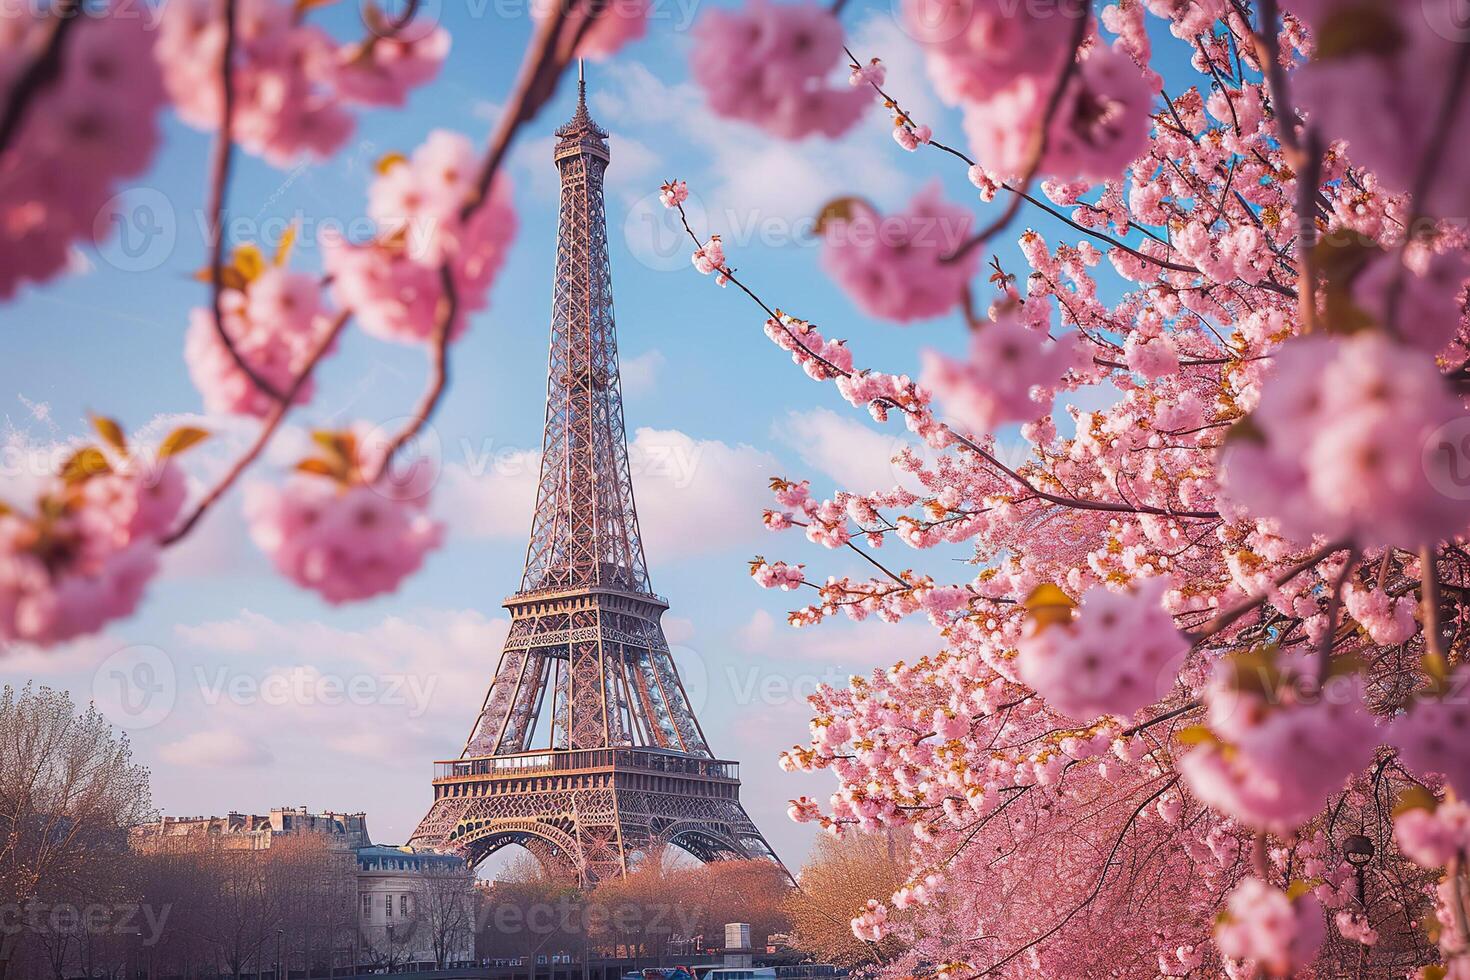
(243, 719)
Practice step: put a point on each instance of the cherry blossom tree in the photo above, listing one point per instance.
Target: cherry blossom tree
(1199, 709)
(82, 87)
(1200, 705)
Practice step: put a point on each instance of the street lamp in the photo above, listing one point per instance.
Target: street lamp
(1358, 849)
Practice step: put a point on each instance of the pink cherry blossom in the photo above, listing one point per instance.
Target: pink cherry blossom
(777, 575)
(1264, 926)
(292, 82)
(1344, 426)
(275, 324)
(767, 64)
(1122, 652)
(78, 551)
(1434, 837)
(673, 193)
(1100, 124)
(1389, 621)
(1008, 377)
(1280, 753)
(893, 266)
(873, 73)
(345, 542)
(975, 49)
(78, 139)
(393, 284)
(619, 22)
(385, 68)
(1434, 737)
(912, 137)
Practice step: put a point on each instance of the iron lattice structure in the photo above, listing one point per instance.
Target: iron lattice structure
(586, 750)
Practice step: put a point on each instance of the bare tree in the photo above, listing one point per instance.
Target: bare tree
(837, 880)
(444, 905)
(69, 791)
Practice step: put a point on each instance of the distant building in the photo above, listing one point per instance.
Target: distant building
(413, 906)
(252, 832)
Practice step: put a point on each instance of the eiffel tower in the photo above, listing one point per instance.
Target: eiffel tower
(586, 751)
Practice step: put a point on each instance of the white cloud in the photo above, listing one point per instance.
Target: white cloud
(694, 496)
(490, 495)
(697, 496)
(641, 371)
(756, 184)
(215, 748)
(854, 456)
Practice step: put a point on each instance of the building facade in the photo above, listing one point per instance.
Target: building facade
(411, 906)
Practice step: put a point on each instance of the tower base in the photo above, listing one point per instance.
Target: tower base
(585, 814)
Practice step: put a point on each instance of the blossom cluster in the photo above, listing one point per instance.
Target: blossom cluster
(767, 64)
(393, 284)
(292, 83)
(85, 553)
(78, 138)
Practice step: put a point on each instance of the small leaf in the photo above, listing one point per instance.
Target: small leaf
(319, 467)
(1354, 29)
(248, 262)
(1415, 798)
(1255, 671)
(1434, 971)
(1340, 261)
(1048, 605)
(283, 248)
(388, 161)
(1438, 671)
(1246, 430)
(1346, 665)
(111, 433)
(1196, 735)
(181, 439)
(84, 464)
(839, 209)
(1301, 887)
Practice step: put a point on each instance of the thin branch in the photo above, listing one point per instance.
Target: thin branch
(268, 428)
(219, 182)
(39, 73)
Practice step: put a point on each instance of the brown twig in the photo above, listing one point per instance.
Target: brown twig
(1036, 153)
(219, 182)
(1226, 619)
(536, 84)
(39, 73)
(268, 428)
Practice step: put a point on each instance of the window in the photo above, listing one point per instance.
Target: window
(403, 905)
(367, 906)
(388, 905)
